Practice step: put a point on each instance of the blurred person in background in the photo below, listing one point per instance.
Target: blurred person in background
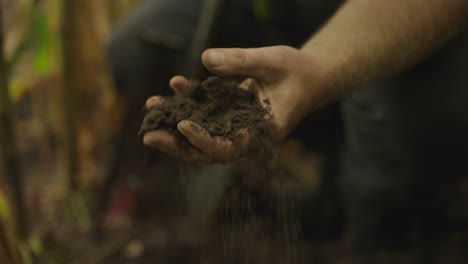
(401, 64)
(155, 43)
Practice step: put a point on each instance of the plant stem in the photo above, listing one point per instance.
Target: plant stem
(69, 42)
(8, 147)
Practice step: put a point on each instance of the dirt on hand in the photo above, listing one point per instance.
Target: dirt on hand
(218, 105)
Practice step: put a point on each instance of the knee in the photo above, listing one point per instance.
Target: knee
(366, 182)
(137, 64)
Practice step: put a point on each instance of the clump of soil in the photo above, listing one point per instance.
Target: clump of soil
(217, 104)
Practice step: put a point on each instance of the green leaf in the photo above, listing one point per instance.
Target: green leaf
(35, 245)
(42, 39)
(17, 88)
(4, 212)
(25, 254)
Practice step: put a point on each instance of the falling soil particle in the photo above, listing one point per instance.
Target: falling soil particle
(253, 223)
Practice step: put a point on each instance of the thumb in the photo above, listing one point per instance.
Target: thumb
(253, 62)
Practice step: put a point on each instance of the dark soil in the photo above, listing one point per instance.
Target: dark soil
(216, 104)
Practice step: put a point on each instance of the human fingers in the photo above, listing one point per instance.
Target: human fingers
(259, 63)
(160, 139)
(246, 84)
(168, 144)
(179, 84)
(220, 148)
(153, 101)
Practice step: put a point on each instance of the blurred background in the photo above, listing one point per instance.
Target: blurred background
(78, 186)
(60, 114)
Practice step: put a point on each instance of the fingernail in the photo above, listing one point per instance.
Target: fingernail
(215, 58)
(149, 141)
(181, 127)
(187, 126)
(153, 100)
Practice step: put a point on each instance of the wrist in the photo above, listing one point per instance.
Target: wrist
(320, 83)
(308, 88)
(317, 86)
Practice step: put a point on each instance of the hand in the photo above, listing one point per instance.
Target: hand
(280, 73)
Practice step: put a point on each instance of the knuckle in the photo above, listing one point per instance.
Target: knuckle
(285, 48)
(239, 58)
(284, 53)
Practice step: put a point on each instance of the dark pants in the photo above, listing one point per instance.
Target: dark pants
(406, 150)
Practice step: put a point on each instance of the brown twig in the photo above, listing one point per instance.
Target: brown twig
(8, 252)
(69, 88)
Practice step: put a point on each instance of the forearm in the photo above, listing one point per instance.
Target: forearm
(368, 40)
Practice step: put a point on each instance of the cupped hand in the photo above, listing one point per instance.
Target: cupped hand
(220, 149)
(281, 76)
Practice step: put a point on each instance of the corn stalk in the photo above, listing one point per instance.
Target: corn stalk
(12, 175)
(69, 42)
